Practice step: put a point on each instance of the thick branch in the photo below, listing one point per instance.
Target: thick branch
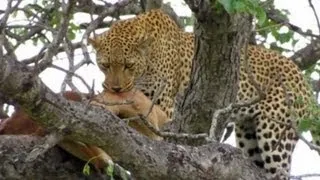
(143, 157)
(92, 8)
(54, 164)
(307, 56)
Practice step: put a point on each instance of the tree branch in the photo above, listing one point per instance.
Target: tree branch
(54, 164)
(307, 56)
(143, 157)
(273, 15)
(52, 49)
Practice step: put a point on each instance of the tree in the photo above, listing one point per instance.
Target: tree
(51, 27)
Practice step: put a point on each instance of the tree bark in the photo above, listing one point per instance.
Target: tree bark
(54, 164)
(218, 39)
(215, 72)
(307, 56)
(92, 125)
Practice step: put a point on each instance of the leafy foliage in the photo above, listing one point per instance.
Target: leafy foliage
(110, 170)
(248, 6)
(43, 14)
(280, 32)
(312, 122)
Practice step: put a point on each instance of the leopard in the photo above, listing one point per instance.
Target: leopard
(150, 51)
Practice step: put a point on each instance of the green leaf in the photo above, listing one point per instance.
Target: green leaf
(275, 33)
(110, 170)
(249, 6)
(285, 37)
(71, 35)
(240, 6)
(86, 169)
(228, 5)
(261, 15)
(294, 42)
(304, 125)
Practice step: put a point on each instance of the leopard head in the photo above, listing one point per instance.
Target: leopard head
(121, 57)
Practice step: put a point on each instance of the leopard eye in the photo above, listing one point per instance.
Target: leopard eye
(105, 66)
(128, 65)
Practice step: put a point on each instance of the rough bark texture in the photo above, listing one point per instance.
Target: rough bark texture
(215, 73)
(144, 158)
(307, 56)
(54, 164)
(218, 41)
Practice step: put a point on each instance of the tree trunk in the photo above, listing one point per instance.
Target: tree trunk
(215, 72)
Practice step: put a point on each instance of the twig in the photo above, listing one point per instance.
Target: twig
(310, 144)
(119, 170)
(156, 96)
(73, 73)
(273, 16)
(315, 14)
(52, 49)
(166, 134)
(112, 103)
(228, 109)
(68, 78)
(300, 177)
(144, 120)
(48, 142)
(42, 53)
(5, 17)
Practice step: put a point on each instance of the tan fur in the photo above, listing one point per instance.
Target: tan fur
(140, 106)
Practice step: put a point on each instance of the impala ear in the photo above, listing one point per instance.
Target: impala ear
(144, 45)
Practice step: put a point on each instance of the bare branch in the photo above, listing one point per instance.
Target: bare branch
(307, 56)
(310, 144)
(301, 177)
(115, 103)
(73, 74)
(315, 14)
(42, 53)
(52, 49)
(106, 12)
(271, 13)
(9, 9)
(48, 142)
(90, 7)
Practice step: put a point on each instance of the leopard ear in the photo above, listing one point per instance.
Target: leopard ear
(94, 42)
(144, 45)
